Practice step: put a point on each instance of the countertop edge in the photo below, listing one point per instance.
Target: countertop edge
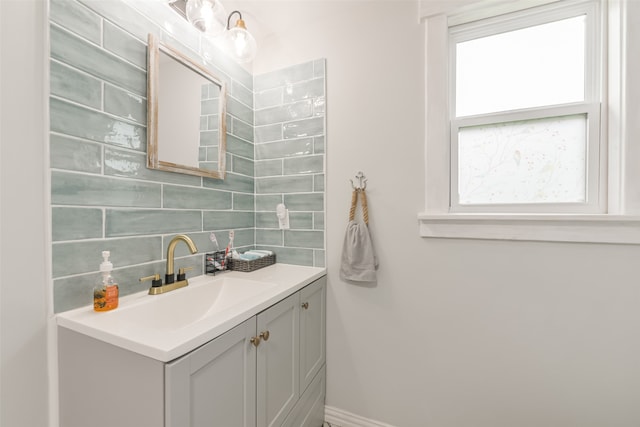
(173, 351)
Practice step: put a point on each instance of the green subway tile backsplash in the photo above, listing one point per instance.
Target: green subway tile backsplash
(76, 223)
(77, 18)
(100, 63)
(242, 130)
(284, 184)
(319, 106)
(276, 150)
(132, 222)
(84, 256)
(319, 68)
(297, 220)
(74, 154)
(239, 110)
(69, 83)
(217, 220)
(241, 93)
(300, 220)
(239, 147)
(304, 90)
(318, 221)
(103, 196)
(268, 167)
(195, 198)
(269, 98)
(125, 104)
(209, 106)
(318, 182)
(232, 182)
(92, 190)
(284, 113)
(243, 202)
(302, 128)
(319, 258)
(266, 220)
(243, 166)
(267, 202)
(124, 45)
(76, 291)
(134, 22)
(305, 202)
(304, 239)
(268, 133)
(286, 255)
(132, 164)
(269, 237)
(74, 120)
(283, 77)
(297, 165)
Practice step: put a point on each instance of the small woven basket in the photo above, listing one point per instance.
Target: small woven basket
(254, 264)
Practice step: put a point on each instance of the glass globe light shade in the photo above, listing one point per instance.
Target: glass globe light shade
(207, 16)
(240, 43)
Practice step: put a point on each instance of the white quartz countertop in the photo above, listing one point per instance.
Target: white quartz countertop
(165, 327)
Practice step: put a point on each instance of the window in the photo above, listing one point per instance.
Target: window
(525, 111)
(490, 108)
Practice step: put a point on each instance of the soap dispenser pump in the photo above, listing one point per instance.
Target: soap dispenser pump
(106, 292)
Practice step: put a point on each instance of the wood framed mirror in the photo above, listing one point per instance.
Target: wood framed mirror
(186, 114)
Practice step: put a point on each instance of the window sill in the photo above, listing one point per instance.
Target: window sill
(623, 229)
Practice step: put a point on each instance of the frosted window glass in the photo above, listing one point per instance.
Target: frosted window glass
(531, 67)
(533, 161)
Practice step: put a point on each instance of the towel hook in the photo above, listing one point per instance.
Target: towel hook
(362, 181)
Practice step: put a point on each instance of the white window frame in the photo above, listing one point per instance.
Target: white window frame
(617, 220)
(595, 168)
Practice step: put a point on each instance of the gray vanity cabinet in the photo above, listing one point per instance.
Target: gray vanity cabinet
(312, 331)
(214, 382)
(231, 381)
(255, 374)
(278, 362)
(267, 371)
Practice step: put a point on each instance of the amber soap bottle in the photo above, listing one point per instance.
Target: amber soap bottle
(105, 293)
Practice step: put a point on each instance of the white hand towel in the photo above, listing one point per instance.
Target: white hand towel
(359, 261)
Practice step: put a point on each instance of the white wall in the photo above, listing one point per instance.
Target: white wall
(24, 290)
(456, 332)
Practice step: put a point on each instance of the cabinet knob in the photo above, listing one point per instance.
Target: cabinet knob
(305, 305)
(264, 335)
(255, 341)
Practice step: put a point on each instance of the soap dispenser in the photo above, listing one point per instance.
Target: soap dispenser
(105, 293)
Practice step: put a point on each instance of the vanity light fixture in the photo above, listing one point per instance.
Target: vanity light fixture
(240, 43)
(207, 16)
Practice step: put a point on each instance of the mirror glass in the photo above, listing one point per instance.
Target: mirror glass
(185, 115)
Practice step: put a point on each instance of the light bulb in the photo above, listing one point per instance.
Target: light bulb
(241, 44)
(207, 16)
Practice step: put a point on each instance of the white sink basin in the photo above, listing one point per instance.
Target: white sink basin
(185, 306)
(167, 326)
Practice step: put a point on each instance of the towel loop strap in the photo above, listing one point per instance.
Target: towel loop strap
(354, 203)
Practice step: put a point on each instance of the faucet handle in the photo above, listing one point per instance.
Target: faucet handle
(182, 272)
(156, 281)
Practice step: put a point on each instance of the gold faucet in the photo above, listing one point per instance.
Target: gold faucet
(171, 249)
(170, 282)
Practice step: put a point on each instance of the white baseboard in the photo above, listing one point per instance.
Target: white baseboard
(340, 418)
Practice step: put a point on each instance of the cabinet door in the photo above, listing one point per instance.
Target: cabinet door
(312, 331)
(214, 386)
(278, 362)
(309, 411)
